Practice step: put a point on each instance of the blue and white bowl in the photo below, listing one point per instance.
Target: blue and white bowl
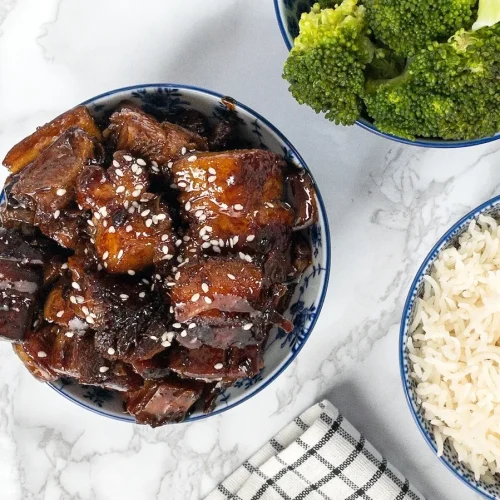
(449, 457)
(309, 295)
(288, 13)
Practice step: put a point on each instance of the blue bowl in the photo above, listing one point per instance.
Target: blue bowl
(288, 13)
(309, 295)
(449, 457)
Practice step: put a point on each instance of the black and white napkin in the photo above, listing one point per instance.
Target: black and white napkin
(318, 456)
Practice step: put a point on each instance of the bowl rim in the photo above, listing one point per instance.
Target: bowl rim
(403, 334)
(327, 257)
(367, 125)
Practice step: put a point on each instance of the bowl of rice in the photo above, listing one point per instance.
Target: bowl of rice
(450, 349)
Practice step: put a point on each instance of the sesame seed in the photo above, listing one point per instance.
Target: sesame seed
(105, 255)
(69, 334)
(238, 207)
(183, 151)
(140, 187)
(242, 255)
(89, 319)
(208, 300)
(104, 211)
(177, 325)
(155, 219)
(72, 299)
(142, 295)
(208, 228)
(157, 276)
(170, 164)
(60, 314)
(250, 237)
(184, 333)
(161, 216)
(214, 242)
(195, 297)
(112, 229)
(146, 212)
(204, 287)
(198, 213)
(164, 237)
(104, 369)
(248, 326)
(155, 169)
(119, 172)
(140, 162)
(42, 354)
(128, 228)
(85, 310)
(149, 222)
(115, 163)
(152, 337)
(212, 178)
(64, 266)
(61, 192)
(123, 296)
(203, 218)
(178, 243)
(120, 189)
(231, 276)
(120, 254)
(105, 223)
(164, 249)
(221, 242)
(136, 193)
(75, 285)
(212, 171)
(248, 258)
(131, 272)
(186, 238)
(182, 184)
(90, 223)
(177, 275)
(80, 299)
(218, 366)
(99, 267)
(187, 206)
(216, 249)
(192, 158)
(111, 351)
(127, 157)
(131, 210)
(134, 168)
(205, 245)
(235, 239)
(191, 325)
(205, 237)
(166, 343)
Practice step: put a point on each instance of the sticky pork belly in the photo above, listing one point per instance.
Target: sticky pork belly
(149, 258)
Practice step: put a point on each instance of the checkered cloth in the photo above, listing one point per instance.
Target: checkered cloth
(318, 456)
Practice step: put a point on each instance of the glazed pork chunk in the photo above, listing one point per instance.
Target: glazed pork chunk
(30, 148)
(131, 228)
(133, 130)
(21, 276)
(233, 202)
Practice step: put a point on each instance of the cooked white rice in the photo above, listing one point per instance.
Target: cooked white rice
(454, 347)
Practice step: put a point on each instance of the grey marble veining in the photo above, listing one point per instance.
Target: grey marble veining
(387, 204)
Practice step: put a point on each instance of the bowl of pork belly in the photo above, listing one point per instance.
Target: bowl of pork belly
(165, 253)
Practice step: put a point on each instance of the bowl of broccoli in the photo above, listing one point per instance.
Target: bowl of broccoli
(421, 72)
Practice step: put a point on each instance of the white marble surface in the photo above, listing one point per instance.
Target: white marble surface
(387, 205)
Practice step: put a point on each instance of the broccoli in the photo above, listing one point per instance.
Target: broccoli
(451, 90)
(408, 26)
(326, 65)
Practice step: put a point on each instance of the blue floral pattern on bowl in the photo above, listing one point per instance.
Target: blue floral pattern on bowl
(305, 306)
(449, 458)
(288, 14)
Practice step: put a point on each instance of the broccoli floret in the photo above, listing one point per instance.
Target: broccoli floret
(326, 65)
(451, 90)
(408, 26)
